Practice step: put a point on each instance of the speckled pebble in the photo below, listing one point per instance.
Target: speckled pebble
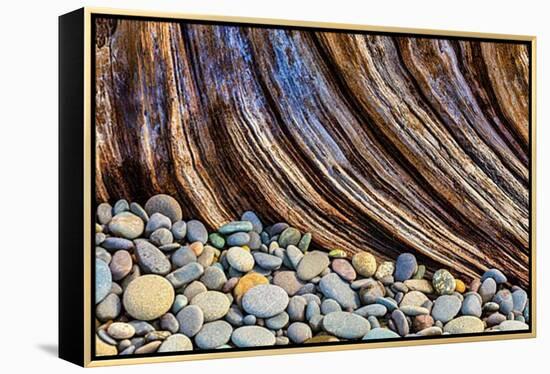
(252, 336)
(346, 325)
(148, 297)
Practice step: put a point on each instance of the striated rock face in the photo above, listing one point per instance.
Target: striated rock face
(370, 142)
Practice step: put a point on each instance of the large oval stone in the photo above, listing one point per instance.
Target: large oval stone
(213, 304)
(148, 297)
(265, 301)
(165, 205)
(464, 325)
(151, 259)
(312, 264)
(333, 287)
(103, 280)
(252, 336)
(346, 325)
(126, 225)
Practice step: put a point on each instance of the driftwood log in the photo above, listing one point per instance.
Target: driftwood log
(387, 144)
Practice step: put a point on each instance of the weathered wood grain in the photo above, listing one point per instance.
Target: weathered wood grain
(379, 143)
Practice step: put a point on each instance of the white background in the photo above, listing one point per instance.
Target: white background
(28, 184)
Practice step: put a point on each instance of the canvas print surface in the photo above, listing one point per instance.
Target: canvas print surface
(265, 187)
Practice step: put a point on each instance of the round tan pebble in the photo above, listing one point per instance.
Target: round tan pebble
(247, 282)
(148, 297)
(104, 349)
(364, 263)
(121, 330)
(460, 286)
(197, 248)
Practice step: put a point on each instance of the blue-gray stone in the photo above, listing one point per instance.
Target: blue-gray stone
(471, 306)
(520, 299)
(267, 261)
(376, 310)
(294, 256)
(139, 211)
(333, 287)
(252, 336)
(179, 230)
(251, 217)
(234, 316)
(400, 322)
(277, 322)
(299, 332)
(183, 256)
(115, 244)
(505, 301)
(445, 308)
(312, 309)
(249, 319)
(238, 239)
(157, 221)
(380, 333)
(164, 204)
(185, 274)
(487, 289)
(180, 302)
(103, 280)
(265, 300)
(496, 274)
(236, 226)
(121, 206)
(290, 236)
(213, 335)
(346, 325)
(190, 319)
(196, 232)
(389, 303)
(405, 267)
(151, 259)
(304, 242)
(255, 242)
(329, 306)
(277, 228)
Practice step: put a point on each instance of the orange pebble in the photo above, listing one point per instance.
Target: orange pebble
(460, 286)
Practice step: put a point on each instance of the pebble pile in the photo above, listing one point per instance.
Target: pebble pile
(163, 284)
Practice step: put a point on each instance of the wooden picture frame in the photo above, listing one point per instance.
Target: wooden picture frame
(496, 178)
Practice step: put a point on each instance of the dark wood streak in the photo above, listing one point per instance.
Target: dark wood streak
(377, 143)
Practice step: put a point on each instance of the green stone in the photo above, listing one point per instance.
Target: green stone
(304, 242)
(289, 236)
(216, 240)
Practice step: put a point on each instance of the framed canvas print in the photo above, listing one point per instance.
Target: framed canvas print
(233, 187)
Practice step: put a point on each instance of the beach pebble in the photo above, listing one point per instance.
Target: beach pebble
(267, 261)
(488, 289)
(513, 325)
(185, 274)
(471, 306)
(299, 332)
(115, 244)
(290, 236)
(151, 259)
(121, 330)
(443, 282)
(364, 263)
(329, 306)
(126, 225)
(176, 343)
(505, 301)
(312, 264)
(238, 239)
(121, 264)
(376, 310)
(333, 287)
(213, 304)
(168, 322)
(236, 226)
(251, 217)
(190, 319)
(103, 280)
(344, 269)
(196, 232)
(277, 322)
(464, 325)
(400, 321)
(213, 335)
(104, 213)
(380, 333)
(496, 275)
(148, 297)
(240, 259)
(520, 299)
(165, 205)
(265, 301)
(405, 267)
(385, 269)
(213, 278)
(346, 325)
(252, 336)
(445, 308)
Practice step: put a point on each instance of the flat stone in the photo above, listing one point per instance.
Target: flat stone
(252, 336)
(234, 316)
(290, 236)
(380, 333)
(213, 335)
(413, 311)
(405, 267)
(165, 205)
(139, 211)
(346, 325)
(193, 289)
(109, 308)
(216, 240)
(421, 285)
(464, 325)
(294, 256)
(333, 287)
(148, 297)
(142, 328)
(176, 343)
(299, 332)
(265, 300)
(371, 291)
(297, 308)
(430, 331)
(196, 232)
(120, 265)
(376, 310)
(190, 319)
(183, 256)
(277, 228)
(161, 237)
(126, 225)
(185, 274)
(512, 326)
(168, 322)
(151, 259)
(238, 239)
(364, 263)
(329, 306)
(236, 226)
(445, 308)
(151, 347)
(253, 218)
(267, 261)
(415, 298)
(121, 330)
(304, 242)
(121, 206)
(157, 221)
(422, 322)
(312, 264)
(322, 339)
(214, 304)
(115, 244)
(496, 274)
(344, 269)
(240, 259)
(103, 280)
(471, 306)
(388, 302)
(495, 319)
